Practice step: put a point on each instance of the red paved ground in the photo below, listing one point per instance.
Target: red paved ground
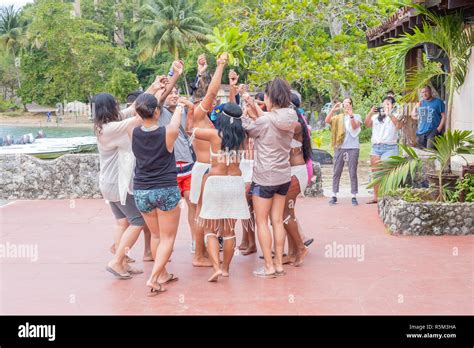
(399, 275)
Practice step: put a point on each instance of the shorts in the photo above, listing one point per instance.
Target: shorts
(184, 183)
(129, 211)
(384, 151)
(165, 199)
(269, 191)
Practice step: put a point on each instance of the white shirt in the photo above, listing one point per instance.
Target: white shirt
(384, 132)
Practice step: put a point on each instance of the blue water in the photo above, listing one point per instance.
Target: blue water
(51, 132)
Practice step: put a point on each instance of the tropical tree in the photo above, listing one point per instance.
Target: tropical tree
(169, 25)
(12, 30)
(448, 33)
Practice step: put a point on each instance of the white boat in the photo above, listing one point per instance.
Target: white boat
(48, 148)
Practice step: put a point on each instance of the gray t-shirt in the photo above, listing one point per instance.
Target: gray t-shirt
(182, 152)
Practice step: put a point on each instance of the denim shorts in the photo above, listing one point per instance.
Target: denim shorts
(269, 191)
(384, 151)
(165, 199)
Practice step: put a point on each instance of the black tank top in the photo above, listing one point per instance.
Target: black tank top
(155, 165)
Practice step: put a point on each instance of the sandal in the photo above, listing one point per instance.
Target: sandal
(155, 291)
(171, 279)
(261, 273)
(280, 273)
(133, 270)
(308, 242)
(372, 201)
(118, 275)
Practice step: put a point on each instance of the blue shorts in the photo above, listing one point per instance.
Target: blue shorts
(269, 191)
(165, 199)
(384, 151)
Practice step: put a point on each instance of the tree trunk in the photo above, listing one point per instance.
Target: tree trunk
(77, 8)
(119, 36)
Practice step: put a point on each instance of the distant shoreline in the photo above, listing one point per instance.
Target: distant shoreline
(40, 121)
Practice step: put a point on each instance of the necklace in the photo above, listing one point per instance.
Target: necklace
(149, 129)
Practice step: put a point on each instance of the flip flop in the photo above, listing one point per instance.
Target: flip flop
(133, 270)
(128, 259)
(154, 291)
(280, 273)
(118, 275)
(171, 279)
(273, 255)
(372, 201)
(261, 273)
(309, 242)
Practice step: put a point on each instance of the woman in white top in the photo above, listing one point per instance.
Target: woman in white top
(385, 126)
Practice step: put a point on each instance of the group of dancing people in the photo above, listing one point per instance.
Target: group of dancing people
(247, 159)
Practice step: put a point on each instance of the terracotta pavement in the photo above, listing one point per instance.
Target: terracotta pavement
(354, 267)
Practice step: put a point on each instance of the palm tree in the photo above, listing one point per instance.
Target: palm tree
(448, 33)
(169, 25)
(12, 29)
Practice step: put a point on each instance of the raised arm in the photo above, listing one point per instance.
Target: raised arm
(172, 129)
(336, 106)
(189, 114)
(368, 118)
(205, 105)
(178, 67)
(233, 80)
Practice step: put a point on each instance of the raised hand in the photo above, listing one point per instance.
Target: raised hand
(178, 67)
(222, 60)
(202, 64)
(233, 78)
(186, 102)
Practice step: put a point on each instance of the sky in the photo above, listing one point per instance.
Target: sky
(16, 3)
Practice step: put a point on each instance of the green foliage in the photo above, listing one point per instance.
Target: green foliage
(12, 29)
(231, 42)
(121, 83)
(169, 25)
(396, 171)
(465, 187)
(365, 134)
(67, 58)
(413, 195)
(447, 32)
(7, 105)
(450, 144)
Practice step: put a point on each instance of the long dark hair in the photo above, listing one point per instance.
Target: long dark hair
(230, 127)
(307, 149)
(105, 110)
(279, 93)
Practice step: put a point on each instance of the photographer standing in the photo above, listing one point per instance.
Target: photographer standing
(345, 129)
(385, 126)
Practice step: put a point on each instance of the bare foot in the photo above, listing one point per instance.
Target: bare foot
(128, 259)
(117, 267)
(250, 250)
(147, 256)
(225, 273)
(300, 258)
(204, 262)
(155, 288)
(288, 259)
(215, 276)
(243, 246)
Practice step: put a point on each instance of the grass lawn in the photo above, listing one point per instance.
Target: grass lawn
(325, 136)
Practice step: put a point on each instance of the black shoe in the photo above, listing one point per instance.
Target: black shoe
(354, 201)
(221, 243)
(333, 201)
(308, 242)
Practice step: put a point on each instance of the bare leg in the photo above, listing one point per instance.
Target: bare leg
(262, 208)
(279, 233)
(212, 245)
(374, 162)
(199, 259)
(228, 235)
(249, 228)
(147, 254)
(121, 226)
(128, 239)
(168, 228)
